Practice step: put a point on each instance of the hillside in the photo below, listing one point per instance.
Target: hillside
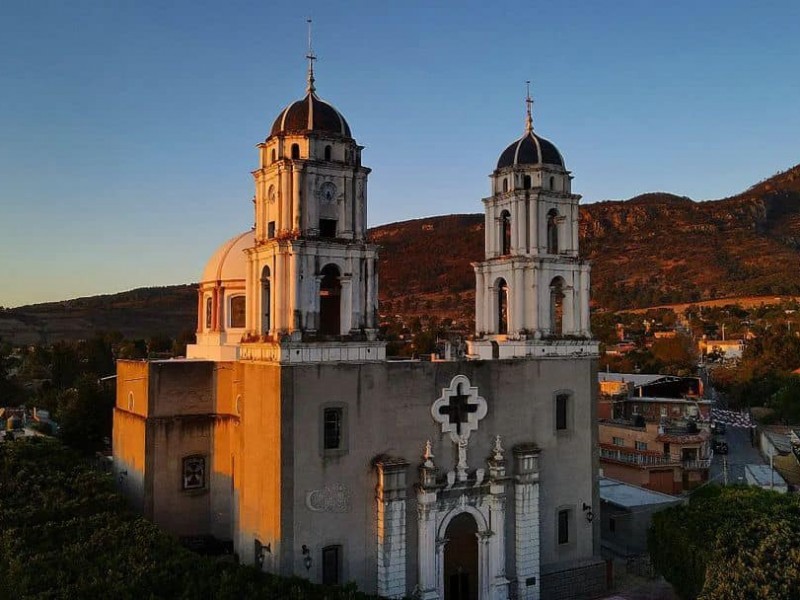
(653, 249)
(139, 313)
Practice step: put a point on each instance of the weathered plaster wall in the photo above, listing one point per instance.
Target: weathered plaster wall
(388, 412)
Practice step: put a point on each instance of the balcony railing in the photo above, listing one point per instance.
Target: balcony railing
(697, 464)
(636, 458)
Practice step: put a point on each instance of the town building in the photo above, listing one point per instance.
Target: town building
(653, 397)
(666, 457)
(288, 433)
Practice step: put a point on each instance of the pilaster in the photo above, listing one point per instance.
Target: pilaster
(391, 527)
(526, 524)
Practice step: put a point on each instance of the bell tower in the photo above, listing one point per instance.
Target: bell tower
(532, 289)
(312, 276)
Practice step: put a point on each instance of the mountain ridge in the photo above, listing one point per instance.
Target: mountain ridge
(653, 249)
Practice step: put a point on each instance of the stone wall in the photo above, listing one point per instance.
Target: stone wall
(584, 579)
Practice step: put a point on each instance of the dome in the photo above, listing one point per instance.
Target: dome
(229, 261)
(310, 114)
(530, 149)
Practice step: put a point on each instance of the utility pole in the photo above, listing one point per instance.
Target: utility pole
(725, 469)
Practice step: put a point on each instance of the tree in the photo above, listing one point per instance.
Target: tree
(729, 543)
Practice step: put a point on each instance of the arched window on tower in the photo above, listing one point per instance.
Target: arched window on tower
(505, 184)
(265, 300)
(209, 313)
(273, 155)
(295, 151)
(526, 182)
(557, 306)
(502, 306)
(237, 307)
(327, 152)
(330, 295)
(552, 231)
(552, 183)
(505, 232)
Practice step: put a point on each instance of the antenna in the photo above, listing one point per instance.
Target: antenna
(529, 103)
(311, 58)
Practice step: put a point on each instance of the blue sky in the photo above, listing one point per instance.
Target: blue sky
(129, 127)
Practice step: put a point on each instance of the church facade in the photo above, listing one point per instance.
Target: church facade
(287, 432)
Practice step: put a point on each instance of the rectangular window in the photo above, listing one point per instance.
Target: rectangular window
(641, 445)
(327, 228)
(331, 564)
(618, 441)
(561, 411)
(563, 527)
(271, 229)
(194, 473)
(332, 429)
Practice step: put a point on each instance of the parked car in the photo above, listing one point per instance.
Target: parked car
(720, 447)
(718, 428)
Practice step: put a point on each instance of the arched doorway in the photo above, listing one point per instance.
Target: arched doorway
(502, 306)
(461, 559)
(265, 300)
(557, 306)
(330, 295)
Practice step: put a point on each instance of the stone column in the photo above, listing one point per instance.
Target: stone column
(518, 303)
(391, 514)
(520, 226)
(526, 521)
(428, 547)
(284, 200)
(346, 308)
(480, 292)
(297, 181)
(371, 294)
(584, 300)
(514, 227)
(496, 546)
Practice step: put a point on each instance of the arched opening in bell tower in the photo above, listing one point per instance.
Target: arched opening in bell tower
(328, 152)
(330, 296)
(461, 559)
(557, 306)
(505, 232)
(265, 300)
(502, 306)
(552, 231)
(295, 151)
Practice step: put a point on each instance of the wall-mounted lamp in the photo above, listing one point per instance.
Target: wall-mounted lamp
(259, 551)
(307, 559)
(587, 512)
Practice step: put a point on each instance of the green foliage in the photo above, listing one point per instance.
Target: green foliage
(730, 543)
(65, 534)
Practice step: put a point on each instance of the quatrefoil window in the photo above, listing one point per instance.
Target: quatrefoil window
(459, 408)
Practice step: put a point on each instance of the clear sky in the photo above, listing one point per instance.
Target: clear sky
(128, 127)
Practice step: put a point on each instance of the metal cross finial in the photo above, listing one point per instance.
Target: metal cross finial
(529, 103)
(311, 58)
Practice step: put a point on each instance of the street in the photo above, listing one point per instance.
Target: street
(740, 453)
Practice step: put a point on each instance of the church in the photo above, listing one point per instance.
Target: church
(288, 433)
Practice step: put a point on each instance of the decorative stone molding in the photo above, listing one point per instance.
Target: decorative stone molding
(334, 498)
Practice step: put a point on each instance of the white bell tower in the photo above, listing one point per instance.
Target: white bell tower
(312, 282)
(532, 289)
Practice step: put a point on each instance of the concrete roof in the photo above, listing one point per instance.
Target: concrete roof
(764, 476)
(626, 495)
